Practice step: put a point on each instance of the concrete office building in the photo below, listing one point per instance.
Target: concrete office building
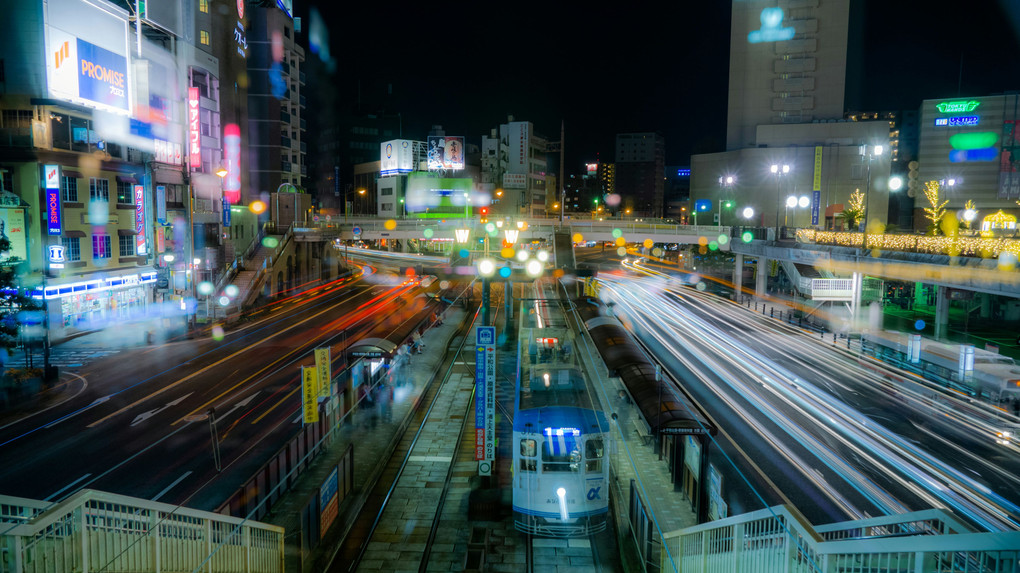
(640, 164)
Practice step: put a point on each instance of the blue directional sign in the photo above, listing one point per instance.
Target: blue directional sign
(486, 335)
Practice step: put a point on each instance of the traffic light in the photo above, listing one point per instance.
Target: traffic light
(484, 211)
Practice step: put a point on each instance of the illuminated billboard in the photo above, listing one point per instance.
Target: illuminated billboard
(517, 139)
(429, 196)
(445, 152)
(140, 220)
(12, 228)
(194, 130)
(395, 157)
(232, 155)
(86, 54)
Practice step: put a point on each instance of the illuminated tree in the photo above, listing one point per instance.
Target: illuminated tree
(853, 212)
(937, 211)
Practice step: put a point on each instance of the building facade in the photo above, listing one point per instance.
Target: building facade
(640, 164)
(513, 169)
(787, 65)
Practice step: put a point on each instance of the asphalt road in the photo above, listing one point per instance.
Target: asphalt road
(138, 424)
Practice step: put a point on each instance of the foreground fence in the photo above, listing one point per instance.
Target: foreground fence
(98, 531)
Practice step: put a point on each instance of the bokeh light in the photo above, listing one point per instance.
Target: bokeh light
(486, 267)
(648, 243)
(620, 241)
(464, 253)
(428, 232)
(703, 250)
(701, 285)
(534, 268)
(99, 213)
(542, 256)
(507, 252)
(505, 272)
(1007, 261)
(747, 237)
(270, 242)
(409, 272)
(258, 207)
(657, 252)
(490, 228)
(617, 233)
(713, 246)
(217, 333)
(919, 325)
(578, 237)
(444, 284)
(390, 224)
(205, 288)
(224, 301)
(231, 291)
(558, 273)
(621, 251)
(613, 199)
(522, 255)
(723, 239)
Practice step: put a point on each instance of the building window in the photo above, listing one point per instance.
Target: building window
(60, 131)
(127, 245)
(203, 37)
(203, 6)
(124, 194)
(72, 249)
(69, 189)
(17, 118)
(286, 31)
(101, 247)
(99, 189)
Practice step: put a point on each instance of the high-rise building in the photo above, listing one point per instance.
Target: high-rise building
(787, 65)
(640, 163)
(513, 169)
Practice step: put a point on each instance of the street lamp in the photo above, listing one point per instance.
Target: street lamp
(778, 171)
(871, 151)
(725, 183)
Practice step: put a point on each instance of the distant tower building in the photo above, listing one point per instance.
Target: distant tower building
(790, 67)
(640, 161)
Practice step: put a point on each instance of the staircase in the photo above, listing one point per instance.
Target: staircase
(779, 539)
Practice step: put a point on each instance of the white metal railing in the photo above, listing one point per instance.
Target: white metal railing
(98, 531)
(779, 540)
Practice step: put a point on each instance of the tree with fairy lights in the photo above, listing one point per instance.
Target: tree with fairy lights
(854, 210)
(937, 211)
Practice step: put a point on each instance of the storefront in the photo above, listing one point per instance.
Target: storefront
(92, 304)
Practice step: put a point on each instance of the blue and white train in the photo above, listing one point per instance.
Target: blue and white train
(560, 469)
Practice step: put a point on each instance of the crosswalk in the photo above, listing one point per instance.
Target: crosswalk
(61, 357)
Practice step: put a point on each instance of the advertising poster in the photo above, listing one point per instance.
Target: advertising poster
(323, 365)
(445, 152)
(232, 155)
(1009, 161)
(395, 157)
(309, 394)
(329, 501)
(12, 228)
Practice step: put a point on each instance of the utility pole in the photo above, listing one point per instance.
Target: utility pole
(563, 184)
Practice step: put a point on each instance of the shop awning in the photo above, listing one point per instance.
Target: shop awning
(127, 232)
(70, 234)
(127, 178)
(75, 174)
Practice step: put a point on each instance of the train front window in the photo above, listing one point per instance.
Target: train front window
(528, 448)
(593, 451)
(561, 454)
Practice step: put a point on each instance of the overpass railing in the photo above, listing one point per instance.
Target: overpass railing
(779, 539)
(98, 531)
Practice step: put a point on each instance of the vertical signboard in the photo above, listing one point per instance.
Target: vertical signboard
(232, 154)
(517, 143)
(161, 204)
(140, 220)
(816, 198)
(322, 364)
(329, 501)
(194, 130)
(226, 212)
(485, 398)
(309, 394)
(817, 183)
(52, 177)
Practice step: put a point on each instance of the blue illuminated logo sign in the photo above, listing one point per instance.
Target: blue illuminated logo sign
(702, 205)
(963, 120)
(772, 29)
(102, 75)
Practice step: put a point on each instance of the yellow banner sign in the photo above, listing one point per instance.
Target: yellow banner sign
(818, 169)
(324, 369)
(310, 394)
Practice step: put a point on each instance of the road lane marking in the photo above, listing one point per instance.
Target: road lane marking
(169, 487)
(273, 407)
(146, 415)
(66, 487)
(209, 367)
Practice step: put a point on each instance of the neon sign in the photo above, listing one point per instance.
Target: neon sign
(772, 29)
(957, 106)
(962, 120)
(139, 220)
(194, 130)
(53, 211)
(232, 153)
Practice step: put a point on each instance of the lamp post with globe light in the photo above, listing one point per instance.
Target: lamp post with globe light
(778, 171)
(871, 152)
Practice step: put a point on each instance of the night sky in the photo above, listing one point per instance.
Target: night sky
(603, 72)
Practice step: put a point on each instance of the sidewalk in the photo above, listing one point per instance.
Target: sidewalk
(373, 435)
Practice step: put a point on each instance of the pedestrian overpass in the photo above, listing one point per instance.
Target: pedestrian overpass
(98, 531)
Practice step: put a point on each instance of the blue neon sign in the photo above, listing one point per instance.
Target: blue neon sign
(772, 29)
(963, 120)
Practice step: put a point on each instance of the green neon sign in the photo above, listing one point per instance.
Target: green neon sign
(957, 106)
(974, 140)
